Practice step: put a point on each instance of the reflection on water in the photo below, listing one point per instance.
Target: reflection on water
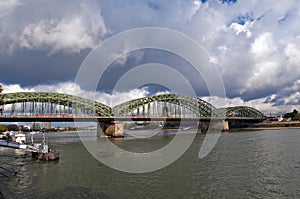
(15, 172)
(262, 164)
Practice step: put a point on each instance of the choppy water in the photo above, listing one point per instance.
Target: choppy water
(253, 164)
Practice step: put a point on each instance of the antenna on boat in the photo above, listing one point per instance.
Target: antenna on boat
(32, 139)
(44, 137)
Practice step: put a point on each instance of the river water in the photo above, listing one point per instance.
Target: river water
(248, 164)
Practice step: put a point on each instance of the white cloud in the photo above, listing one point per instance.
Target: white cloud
(259, 104)
(124, 55)
(293, 54)
(289, 95)
(263, 46)
(194, 9)
(64, 35)
(80, 26)
(12, 88)
(293, 99)
(71, 35)
(239, 28)
(8, 5)
(261, 52)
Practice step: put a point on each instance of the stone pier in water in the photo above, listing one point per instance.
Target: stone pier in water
(224, 125)
(112, 129)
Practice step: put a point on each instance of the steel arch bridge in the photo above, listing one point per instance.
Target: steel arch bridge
(34, 103)
(165, 105)
(240, 111)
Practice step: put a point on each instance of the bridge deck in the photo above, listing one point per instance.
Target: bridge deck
(108, 119)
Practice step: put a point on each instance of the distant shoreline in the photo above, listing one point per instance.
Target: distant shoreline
(261, 128)
(264, 126)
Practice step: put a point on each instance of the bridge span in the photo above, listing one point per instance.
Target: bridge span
(57, 107)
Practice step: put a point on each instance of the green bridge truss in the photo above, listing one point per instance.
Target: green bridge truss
(241, 111)
(165, 105)
(172, 105)
(51, 103)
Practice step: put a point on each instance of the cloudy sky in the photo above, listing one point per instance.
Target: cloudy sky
(254, 44)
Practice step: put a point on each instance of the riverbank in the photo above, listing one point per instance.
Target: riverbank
(269, 126)
(264, 126)
(261, 128)
(279, 125)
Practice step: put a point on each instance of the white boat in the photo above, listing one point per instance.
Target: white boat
(14, 145)
(35, 132)
(187, 128)
(20, 138)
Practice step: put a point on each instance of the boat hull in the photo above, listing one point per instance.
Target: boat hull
(45, 156)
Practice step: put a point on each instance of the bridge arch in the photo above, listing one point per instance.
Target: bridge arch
(172, 105)
(165, 105)
(51, 103)
(241, 111)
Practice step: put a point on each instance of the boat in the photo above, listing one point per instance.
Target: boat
(14, 145)
(47, 156)
(20, 138)
(187, 128)
(40, 151)
(13, 140)
(43, 152)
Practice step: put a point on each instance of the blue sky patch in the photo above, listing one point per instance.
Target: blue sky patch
(242, 19)
(222, 1)
(228, 1)
(153, 5)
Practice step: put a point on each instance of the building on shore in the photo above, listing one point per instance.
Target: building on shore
(47, 125)
(36, 126)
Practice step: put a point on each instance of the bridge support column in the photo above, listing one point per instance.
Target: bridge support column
(112, 129)
(204, 126)
(224, 125)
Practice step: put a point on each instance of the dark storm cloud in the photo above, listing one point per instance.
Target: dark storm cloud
(117, 69)
(34, 68)
(289, 95)
(46, 41)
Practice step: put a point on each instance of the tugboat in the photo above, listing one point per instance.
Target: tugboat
(43, 152)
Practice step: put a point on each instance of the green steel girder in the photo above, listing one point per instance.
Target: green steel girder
(198, 106)
(58, 99)
(240, 111)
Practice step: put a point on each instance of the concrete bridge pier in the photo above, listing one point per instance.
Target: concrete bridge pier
(224, 125)
(204, 126)
(112, 129)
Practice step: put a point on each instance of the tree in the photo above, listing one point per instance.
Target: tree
(293, 115)
(13, 127)
(3, 128)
